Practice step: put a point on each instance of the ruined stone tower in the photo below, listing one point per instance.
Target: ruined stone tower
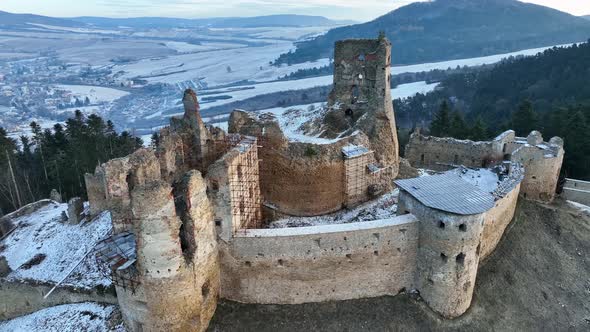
(174, 283)
(198, 143)
(361, 96)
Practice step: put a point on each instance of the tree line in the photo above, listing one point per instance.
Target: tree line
(57, 158)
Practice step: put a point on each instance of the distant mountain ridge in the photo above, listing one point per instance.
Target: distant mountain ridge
(451, 29)
(28, 21)
(215, 22)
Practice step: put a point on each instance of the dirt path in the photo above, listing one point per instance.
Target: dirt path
(537, 279)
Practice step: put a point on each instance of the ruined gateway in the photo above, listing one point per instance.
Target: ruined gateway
(189, 216)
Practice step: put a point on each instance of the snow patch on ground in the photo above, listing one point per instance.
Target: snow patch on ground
(425, 172)
(56, 247)
(292, 119)
(483, 178)
(382, 208)
(76, 317)
(581, 207)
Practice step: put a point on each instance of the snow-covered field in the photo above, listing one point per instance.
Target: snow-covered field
(96, 94)
(217, 67)
(77, 30)
(44, 248)
(292, 117)
(184, 47)
(86, 316)
(401, 91)
(206, 59)
(470, 62)
(25, 129)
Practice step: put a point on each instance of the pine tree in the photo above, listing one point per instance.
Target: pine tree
(479, 130)
(441, 123)
(457, 127)
(577, 141)
(524, 119)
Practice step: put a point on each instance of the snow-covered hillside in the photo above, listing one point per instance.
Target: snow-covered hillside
(88, 316)
(45, 249)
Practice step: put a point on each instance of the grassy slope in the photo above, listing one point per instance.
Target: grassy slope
(537, 279)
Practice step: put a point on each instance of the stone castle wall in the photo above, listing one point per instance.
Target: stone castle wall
(192, 203)
(313, 173)
(497, 220)
(542, 160)
(110, 186)
(300, 183)
(542, 172)
(321, 263)
(448, 256)
(441, 154)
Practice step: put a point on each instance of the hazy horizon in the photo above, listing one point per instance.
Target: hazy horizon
(334, 9)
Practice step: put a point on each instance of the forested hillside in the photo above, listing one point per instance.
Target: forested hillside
(546, 92)
(57, 159)
(453, 29)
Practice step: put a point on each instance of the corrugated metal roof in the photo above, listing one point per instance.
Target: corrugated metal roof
(448, 192)
(352, 151)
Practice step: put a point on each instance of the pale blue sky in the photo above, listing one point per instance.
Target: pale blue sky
(360, 10)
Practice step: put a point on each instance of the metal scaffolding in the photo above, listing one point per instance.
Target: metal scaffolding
(118, 254)
(244, 184)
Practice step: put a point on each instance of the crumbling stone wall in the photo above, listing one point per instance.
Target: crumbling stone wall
(321, 263)
(194, 143)
(299, 183)
(75, 210)
(96, 191)
(110, 186)
(298, 179)
(176, 258)
(442, 154)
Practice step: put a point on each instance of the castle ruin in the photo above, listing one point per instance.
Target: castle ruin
(189, 217)
(542, 160)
